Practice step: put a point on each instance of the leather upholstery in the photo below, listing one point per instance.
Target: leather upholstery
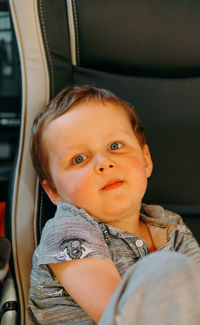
(147, 52)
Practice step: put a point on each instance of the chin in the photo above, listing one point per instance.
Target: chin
(118, 211)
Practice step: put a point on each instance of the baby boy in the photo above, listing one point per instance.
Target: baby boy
(89, 150)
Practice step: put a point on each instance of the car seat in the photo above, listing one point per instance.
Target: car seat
(148, 53)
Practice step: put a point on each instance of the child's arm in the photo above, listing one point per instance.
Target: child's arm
(89, 281)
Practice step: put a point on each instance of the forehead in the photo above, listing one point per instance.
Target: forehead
(85, 122)
(87, 112)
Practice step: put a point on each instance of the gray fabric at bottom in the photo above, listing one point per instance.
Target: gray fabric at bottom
(162, 288)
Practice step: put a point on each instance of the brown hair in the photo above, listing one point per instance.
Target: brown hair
(66, 99)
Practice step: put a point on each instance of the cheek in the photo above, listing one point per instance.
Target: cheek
(135, 169)
(79, 184)
(134, 165)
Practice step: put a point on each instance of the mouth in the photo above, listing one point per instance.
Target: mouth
(112, 185)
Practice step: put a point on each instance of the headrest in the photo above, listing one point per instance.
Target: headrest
(166, 38)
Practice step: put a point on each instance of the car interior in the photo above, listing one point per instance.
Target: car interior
(146, 52)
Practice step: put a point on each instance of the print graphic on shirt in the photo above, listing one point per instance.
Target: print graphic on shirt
(59, 293)
(73, 248)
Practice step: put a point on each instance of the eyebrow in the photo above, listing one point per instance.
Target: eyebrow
(69, 150)
(76, 147)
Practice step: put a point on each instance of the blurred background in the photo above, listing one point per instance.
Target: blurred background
(10, 97)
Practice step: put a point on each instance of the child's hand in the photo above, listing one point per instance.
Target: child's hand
(90, 282)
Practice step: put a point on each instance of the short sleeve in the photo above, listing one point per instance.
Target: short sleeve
(185, 242)
(71, 234)
(180, 236)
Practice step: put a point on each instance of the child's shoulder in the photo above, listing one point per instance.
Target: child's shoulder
(70, 234)
(158, 214)
(68, 216)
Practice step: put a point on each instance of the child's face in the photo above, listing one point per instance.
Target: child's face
(96, 161)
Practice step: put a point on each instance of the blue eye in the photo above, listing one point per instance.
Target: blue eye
(115, 146)
(79, 159)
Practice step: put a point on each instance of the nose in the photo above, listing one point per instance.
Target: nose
(103, 163)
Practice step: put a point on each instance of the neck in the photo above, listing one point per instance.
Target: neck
(138, 228)
(130, 223)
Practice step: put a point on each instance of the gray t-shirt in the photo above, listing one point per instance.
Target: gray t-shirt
(73, 234)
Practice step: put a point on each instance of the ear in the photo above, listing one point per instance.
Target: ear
(51, 192)
(147, 160)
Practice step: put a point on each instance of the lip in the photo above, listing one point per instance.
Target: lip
(112, 184)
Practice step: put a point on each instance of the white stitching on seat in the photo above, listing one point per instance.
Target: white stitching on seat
(47, 48)
(35, 213)
(40, 215)
(77, 32)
